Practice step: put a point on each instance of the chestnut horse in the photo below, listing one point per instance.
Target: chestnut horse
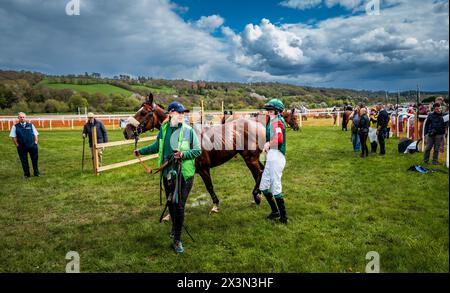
(346, 118)
(291, 119)
(219, 143)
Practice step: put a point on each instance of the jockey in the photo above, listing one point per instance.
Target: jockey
(176, 142)
(275, 148)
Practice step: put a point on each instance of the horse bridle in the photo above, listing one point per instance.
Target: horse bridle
(141, 128)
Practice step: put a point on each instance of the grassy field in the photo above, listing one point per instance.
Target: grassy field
(105, 89)
(340, 208)
(156, 90)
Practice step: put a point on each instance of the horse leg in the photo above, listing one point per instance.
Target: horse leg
(206, 176)
(256, 167)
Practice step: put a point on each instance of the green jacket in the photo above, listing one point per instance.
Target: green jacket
(270, 133)
(184, 139)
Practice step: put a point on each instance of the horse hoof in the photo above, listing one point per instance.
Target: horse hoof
(215, 209)
(257, 199)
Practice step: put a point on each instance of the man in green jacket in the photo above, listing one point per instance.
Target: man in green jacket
(176, 143)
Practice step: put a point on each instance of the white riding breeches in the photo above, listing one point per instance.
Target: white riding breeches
(273, 171)
(372, 134)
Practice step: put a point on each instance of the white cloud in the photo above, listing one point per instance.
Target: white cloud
(112, 37)
(308, 4)
(301, 4)
(272, 46)
(210, 23)
(406, 44)
(347, 4)
(401, 43)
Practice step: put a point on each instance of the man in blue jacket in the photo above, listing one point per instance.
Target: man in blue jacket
(25, 137)
(102, 135)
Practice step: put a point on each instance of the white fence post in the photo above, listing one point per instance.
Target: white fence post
(423, 135)
(397, 122)
(407, 129)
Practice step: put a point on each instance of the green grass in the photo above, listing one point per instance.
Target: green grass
(105, 89)
(340, 208)
(156, 90)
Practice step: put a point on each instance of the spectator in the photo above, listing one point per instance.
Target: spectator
(382, 124)
(434, 130)
(355, 124)
(444, 108)
(25, 137)
(102, 136)
(423, 111)
(334, 116)
(363, 131)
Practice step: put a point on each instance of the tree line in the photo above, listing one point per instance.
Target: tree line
(29, 92)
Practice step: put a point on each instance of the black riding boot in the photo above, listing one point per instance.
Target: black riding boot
(373, 147)
(282, 209)
(178, 222)
(275, 214)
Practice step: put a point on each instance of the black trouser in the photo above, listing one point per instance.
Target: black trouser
(433, 142)
(23, 155)
(176, 210)
(381, 140)
(363, 139)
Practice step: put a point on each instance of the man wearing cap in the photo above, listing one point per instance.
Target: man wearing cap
(102, 136)
(176, 143)
(434, 131)
(275, 149)
(25, 137)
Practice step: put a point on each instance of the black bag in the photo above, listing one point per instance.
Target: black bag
(403, 145)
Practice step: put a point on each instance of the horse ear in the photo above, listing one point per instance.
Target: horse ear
(150, 99)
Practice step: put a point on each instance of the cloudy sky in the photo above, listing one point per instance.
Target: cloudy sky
(327, 43)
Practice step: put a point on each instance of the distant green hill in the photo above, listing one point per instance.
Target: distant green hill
(38, 93)
(105, 89)
(156, 90)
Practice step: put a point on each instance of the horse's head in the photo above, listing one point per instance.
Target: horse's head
(291, 119)
(147, 118)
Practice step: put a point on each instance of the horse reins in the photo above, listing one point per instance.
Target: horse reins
(141, 128)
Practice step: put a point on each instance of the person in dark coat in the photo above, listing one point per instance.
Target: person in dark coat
(363, 131)
(382, 125)
(25, 137)
(102, 136)
(434, 131)
(354, 117)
